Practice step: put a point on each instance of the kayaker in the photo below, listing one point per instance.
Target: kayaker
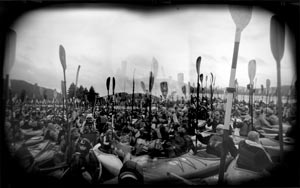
(271, 117)
(259, 121)
(252, 155)
(215, 120)
(215, 146)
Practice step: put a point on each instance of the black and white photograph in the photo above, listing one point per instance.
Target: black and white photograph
(112, 94)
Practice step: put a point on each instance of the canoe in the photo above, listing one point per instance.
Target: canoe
(187, 166)
(34, 140)
(235, 175)
(30, 133)
(110, 162)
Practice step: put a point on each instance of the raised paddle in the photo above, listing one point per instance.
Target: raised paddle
(241, 17)
(133, 85)
(151, 83)
(277, 37)
(201, 80)
(211, 91)
(251, 74)
(198, 62)
(113, 92)
(62, 57)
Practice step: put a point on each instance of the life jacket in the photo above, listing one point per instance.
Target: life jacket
(252, 157)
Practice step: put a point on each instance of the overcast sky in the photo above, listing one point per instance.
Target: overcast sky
(100, 39)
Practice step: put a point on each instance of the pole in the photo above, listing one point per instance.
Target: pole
(241, 17)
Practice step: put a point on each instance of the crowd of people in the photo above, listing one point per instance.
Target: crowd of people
(169, 131)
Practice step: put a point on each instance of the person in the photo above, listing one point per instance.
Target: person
(89, 125)
(271, 117)
(215, 120)
(215, 146)
(252, 155)
(259, 121)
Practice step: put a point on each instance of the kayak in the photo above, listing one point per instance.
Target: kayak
(109, 161)
(34, 140)
(187, 166)
(30, 133)
(235, 175)
(275, 128)
(38, 148)
(272, 146)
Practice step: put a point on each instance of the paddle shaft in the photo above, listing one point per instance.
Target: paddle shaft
(180, 178)
(197, 107)
(279, 103)
(67, 122)
(229, 102)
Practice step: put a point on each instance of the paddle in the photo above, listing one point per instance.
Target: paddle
(9, 61)
(62, 57)
(113, 93)
(251, 74)
(151, 82)
(201, 80)
(180, 178)
(277, 37)
(107, 87)
(198, 62)
(211, 91)
(241, 18)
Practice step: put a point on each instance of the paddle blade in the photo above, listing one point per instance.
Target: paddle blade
(151, 81)
(262, 89)
(114, 84)
(164, 88)
(206, 77)
(251, 70)
(77, 75)
(212, 78)
(107, 83)
(143, 86)
(241, 15)
(277, 34)
(62, 57)
(198, 62)
(268, 84)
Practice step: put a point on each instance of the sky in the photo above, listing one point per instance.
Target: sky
(122, 42)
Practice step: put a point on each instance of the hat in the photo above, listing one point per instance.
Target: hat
(220, 126)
